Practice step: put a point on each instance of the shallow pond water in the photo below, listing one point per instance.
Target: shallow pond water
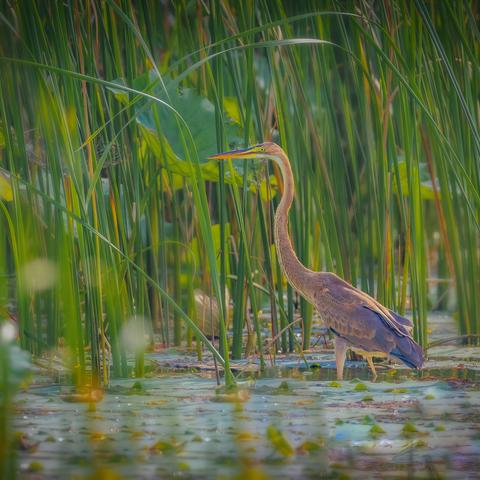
(292, 421)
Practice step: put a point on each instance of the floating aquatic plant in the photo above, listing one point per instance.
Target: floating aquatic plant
(278, 441)
(376, 430)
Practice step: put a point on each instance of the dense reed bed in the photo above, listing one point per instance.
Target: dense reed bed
(112, 218)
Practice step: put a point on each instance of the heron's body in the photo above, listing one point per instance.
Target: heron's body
(355, 318)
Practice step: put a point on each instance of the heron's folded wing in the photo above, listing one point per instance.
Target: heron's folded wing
(352, 324)
(350, 299)
(406, 322)
(392, 325)
(366, 329)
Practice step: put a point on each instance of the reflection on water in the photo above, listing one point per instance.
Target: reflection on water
(291, 421)
(171, 426)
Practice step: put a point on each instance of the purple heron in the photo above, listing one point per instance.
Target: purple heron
(358, 321)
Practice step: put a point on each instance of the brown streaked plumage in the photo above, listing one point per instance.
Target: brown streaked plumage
(206, 312)
(357, 320)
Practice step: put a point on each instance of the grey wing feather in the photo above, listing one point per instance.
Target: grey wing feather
(406, 322)
(350, 297)
(393, 325)
(380, 337)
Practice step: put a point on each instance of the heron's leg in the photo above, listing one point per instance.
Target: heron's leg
(372, 367)
(341, 348)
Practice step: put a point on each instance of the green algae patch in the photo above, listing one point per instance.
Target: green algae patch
(35, 467)
(309, 446)
(360, 387)
(138, 387)
(376, 430)
(278, 441)
(398, 390)
(334, 384)
(284, 387)
(165, 446)
(409, 429)
(421, 444)
(367, 420)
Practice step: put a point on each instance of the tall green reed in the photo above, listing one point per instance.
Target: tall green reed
(376, 107)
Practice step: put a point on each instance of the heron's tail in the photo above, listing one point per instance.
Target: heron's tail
(409, 352)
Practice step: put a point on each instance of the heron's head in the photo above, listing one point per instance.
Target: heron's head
(262, 150)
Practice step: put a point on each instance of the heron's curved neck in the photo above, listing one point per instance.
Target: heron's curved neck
(297, 274)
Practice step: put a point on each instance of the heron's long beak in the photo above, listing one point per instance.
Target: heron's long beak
(241, 153)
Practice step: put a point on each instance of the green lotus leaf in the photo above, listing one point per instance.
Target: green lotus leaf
(164, 134)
